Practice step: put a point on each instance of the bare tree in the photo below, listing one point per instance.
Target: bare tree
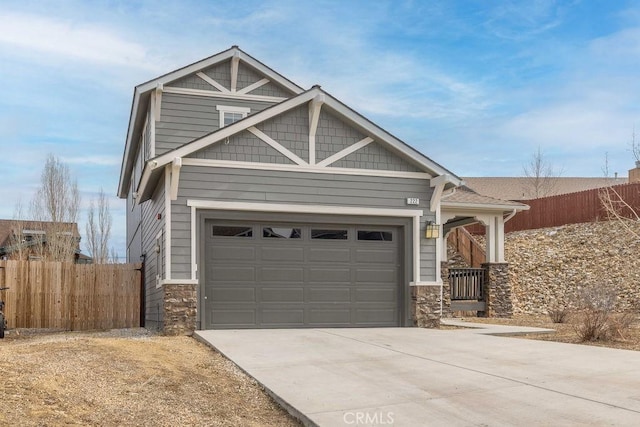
(635, 147)
(615, 206)
(17, 238)
(99, 229)
(542, 176)
(619, 210)
(57, 203)
(113, 257)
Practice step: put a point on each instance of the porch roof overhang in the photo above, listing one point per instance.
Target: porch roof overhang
(462, 200)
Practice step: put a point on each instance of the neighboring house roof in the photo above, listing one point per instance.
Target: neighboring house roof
(520, 188)
(466, 198)
(11, 227)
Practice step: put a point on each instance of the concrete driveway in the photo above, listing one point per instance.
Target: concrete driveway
(422, 377)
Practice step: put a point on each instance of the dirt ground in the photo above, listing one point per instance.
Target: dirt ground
(565, 332)
(126, 378)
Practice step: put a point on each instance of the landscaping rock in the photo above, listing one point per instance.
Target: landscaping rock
(550, 267)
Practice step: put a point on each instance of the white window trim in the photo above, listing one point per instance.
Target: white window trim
(231, 109)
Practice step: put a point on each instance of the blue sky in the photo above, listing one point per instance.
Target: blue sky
(475, 85)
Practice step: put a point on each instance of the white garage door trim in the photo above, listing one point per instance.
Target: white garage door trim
(305, 209)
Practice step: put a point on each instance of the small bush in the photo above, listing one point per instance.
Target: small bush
(593, 325)
(597, 321)
(558, 315)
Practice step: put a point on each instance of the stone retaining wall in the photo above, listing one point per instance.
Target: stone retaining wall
(550, 268)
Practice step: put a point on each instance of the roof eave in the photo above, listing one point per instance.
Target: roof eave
(485, 206)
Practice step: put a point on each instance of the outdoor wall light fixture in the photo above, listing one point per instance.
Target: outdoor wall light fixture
(432, 230)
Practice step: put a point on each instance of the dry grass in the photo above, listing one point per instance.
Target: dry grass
(566, 332)
(107, 380)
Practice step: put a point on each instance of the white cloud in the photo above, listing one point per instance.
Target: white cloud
(30, 34)
(102, 160)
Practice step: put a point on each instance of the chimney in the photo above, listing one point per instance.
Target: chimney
(634, 174)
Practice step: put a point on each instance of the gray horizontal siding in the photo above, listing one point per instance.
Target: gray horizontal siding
(185, 118)
(284, 187)
(150, 227)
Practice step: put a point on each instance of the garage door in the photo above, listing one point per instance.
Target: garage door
(287, 275)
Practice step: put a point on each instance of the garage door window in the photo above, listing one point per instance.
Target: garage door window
(381, 236)
(231, 231)
(324, 234)
(281, 233)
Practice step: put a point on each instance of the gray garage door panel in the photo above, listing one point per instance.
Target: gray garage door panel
(282, 294)
(275, 275)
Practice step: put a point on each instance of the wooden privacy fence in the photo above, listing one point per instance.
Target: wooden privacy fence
(572, 208)
(71, 296)
(464, 243)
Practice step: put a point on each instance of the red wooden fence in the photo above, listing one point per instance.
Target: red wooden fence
(572, 208)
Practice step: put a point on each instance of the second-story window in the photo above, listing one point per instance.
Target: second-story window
(230, 114)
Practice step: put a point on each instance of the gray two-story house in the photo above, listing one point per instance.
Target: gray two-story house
(255, 203)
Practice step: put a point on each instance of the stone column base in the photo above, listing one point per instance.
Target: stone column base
(446, 290)
(180, 309)
(426, 308)
(498, 290)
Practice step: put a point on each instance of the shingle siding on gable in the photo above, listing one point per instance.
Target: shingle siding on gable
(333, 135)
(221, 73)
(244, 147)
(290, 129)
(185, 118)
(192, 82)
(375, 156)
(271, 89)
(246, 77)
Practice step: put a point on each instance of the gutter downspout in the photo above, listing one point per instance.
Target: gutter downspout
(511, 215)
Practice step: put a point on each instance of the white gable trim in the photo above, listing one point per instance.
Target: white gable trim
(214, 94)
(215, 59)
(297, 168)
(314, 117)
(275, 144)
(142, 90)
(234, 71)
(344, 153)
(253, 86)
(339, 108)
(232, 129)
(212, 82)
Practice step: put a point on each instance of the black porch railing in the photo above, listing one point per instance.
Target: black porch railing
(467, 284)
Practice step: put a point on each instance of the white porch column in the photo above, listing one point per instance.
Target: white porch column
(500, 238)
(494, 232)
(490, 235)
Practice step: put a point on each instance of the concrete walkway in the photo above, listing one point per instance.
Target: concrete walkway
(423, 377)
